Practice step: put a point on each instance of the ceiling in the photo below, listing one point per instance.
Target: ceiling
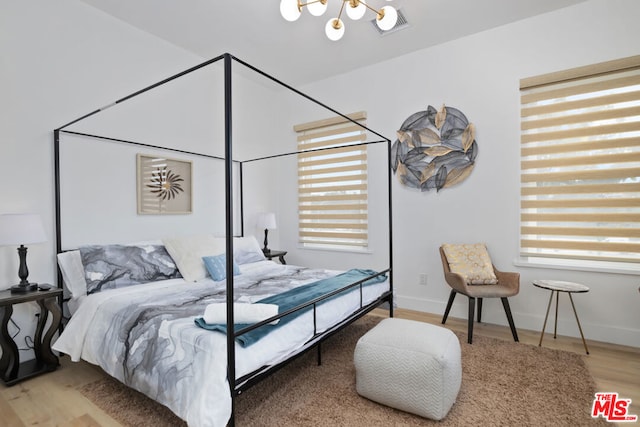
(299, 52)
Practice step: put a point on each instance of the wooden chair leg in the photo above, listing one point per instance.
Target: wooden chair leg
(472, 304)
(452, 296)
(507, 310)
(479, 310)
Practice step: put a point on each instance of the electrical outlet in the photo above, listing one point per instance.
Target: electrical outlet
(423, 279)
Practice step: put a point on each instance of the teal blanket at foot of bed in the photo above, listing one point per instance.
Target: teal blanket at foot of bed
(295, 297)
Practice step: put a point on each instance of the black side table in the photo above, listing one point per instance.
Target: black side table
(11, 370)
(276, 254)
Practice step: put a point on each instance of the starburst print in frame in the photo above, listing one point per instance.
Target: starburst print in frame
(163, 185)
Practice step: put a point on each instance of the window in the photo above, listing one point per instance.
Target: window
(580, 163)
(332, 184)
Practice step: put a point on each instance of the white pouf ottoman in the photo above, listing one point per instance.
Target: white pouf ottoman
(411, 366)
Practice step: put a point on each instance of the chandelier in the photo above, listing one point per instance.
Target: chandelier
(386, 17)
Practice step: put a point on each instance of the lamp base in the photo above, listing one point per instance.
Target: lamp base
(21, 289)
(266, 250)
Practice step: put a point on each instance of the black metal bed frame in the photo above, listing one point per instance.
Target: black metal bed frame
(239, 385)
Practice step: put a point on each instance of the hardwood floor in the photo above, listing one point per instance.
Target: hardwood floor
(54, 399)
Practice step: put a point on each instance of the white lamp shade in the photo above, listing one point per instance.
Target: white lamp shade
(266, 220)
(357, 12)
(332, 32)
(389, 20)
(289, 10)
(21, 229)
(317, 8)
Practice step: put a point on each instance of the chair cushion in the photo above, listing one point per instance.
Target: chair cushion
(472, 262)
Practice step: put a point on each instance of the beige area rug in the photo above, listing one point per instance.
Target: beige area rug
(503, 383)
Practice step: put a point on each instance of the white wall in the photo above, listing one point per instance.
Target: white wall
(480, 75)
(61, 60)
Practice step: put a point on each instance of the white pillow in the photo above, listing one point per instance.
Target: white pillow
(246, 249)
(72, 270)
(187, 252)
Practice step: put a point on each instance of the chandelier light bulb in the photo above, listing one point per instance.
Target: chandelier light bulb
(356, 9)
(334, 29)
(387, 18)
(317, 8)
(289, 10)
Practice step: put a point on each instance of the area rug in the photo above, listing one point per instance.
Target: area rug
(503, 383)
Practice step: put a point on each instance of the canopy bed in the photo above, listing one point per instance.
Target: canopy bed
(156, 336)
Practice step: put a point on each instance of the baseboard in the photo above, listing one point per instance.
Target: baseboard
(566, 327)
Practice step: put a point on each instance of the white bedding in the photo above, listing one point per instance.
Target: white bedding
(187, 370)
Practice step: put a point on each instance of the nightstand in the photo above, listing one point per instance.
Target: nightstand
(11, 370)
(276, 254)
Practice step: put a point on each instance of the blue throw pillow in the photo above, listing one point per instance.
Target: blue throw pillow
(217, 266)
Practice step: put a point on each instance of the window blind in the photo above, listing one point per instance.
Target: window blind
(580, 163)
(332, 183)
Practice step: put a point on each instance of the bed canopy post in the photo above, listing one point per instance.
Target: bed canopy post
(56, 156)
(390, 217)
(56, 167)
(240, 186)
(231, 360)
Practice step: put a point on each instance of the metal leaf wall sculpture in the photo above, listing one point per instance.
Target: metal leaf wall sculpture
(434, 149)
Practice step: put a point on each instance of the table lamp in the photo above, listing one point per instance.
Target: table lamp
(266, 220)
(21, 229)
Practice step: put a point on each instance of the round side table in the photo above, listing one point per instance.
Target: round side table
(557, 286)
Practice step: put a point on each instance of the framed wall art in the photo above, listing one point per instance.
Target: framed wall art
(163, 185)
